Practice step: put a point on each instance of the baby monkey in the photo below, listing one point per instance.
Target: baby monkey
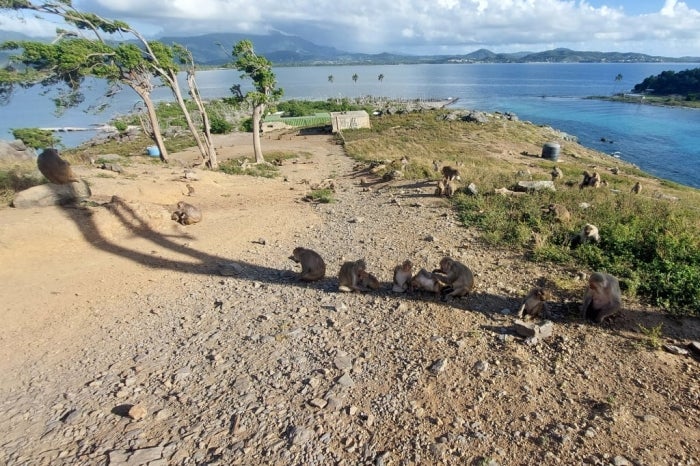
(426, 281)
(602, 297)
(402, 276)
(352, 275)
(457, 275)
(312, 266)
(186, 214)
(588, 234)
(367, 280)
(534, 304)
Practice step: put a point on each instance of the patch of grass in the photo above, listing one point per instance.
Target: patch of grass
(651, 243)
(653, 335)
(235, 167)
(323, 196)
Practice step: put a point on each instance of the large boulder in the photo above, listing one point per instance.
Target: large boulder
(16, 150)
(51, 194)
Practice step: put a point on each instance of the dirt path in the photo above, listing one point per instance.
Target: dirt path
(116, 306)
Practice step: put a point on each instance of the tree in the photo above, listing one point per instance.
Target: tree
(354, 78)
(71, 58)
(380, 77)
(330, 78)
(259, 69)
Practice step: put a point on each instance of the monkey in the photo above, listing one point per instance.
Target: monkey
(560, 213)
(534, 304)
(556, 173)
(450, 173)
(186, 214)
(457, 275)
(312, 266)
(426, 281)
(595, 181)
(602, 297)
(588, 234)
(436, 166)
(350, 276)
(367, 280)
(402, 276)
(440, 190)
(54, 168)
(190, 189)
(450, 188)
(637, 188)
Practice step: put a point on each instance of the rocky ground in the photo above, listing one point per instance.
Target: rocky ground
(131, 340)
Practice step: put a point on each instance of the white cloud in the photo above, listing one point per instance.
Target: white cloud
(417, 26)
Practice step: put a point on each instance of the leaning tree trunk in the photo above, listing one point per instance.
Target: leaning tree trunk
(212, 162)
(188, 118)
(257, 118)
(155, 126)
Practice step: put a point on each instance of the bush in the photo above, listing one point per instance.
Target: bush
(219, 125)
(35, 137)
(234, 167)
(16, 179)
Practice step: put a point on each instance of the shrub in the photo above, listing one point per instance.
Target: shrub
(234, 167)
(219, 125)
(16, 179)
(35, 137)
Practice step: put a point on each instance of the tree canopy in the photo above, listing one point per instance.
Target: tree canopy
(670, 82)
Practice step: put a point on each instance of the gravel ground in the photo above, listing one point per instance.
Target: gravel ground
(242, 363)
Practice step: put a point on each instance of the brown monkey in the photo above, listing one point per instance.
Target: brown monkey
(312, 266)
(367, 280)
(559, 212)
(54, 168)
(450, 173)
(440, 190)
(186, 214)
(602, 297)
(457, 275)
(534, 304)
(556, 173)
(402, 276)
(588, 234)
(350, 276)
(450, 188)
(426, 281)
(637, 188)
(595, 181)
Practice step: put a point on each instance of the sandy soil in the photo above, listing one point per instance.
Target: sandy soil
(79, 284)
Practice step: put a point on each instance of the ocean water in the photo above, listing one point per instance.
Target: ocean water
(662, 141)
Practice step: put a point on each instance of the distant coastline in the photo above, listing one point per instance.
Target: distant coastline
(642, 99)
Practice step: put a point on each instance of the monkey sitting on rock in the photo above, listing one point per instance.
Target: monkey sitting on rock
(186, 214)
(54, 168)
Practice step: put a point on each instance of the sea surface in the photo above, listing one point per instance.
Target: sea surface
(663, 141)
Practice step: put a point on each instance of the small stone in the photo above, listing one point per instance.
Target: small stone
(300, 435)
(342, 361)
(137, 412)
(481, 367)
(352, 410)
(438, 366)
(318, 403)
(590, 432)
(694, 347)
(621, 461)
(673, 349)
(346, 381)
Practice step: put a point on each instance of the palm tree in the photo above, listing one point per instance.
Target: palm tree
(330, 78)
(354, 78)
(380, 77)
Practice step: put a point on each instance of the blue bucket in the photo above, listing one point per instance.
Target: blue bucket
(153, 151)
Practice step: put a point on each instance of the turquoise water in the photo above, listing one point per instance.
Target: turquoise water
(662, 141)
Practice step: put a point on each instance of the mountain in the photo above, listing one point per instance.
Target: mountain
(286, 50)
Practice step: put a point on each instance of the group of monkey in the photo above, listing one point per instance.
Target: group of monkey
(454, 279)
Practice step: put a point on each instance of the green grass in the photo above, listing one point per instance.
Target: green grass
(323, 196)
(651, 244)
(234, 167)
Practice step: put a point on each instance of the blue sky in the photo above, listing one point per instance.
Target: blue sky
(665, 27)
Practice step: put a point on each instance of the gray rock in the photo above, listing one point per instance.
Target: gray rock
(51, 194)
(528, 186)
(346, 381)
(472, 189)
(621, 461)
(300, 435)
(16, 150)
(534, 330)
(694, 347)
(438, 366)
(673, 349)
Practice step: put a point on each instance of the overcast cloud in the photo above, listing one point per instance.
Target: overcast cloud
(668, 28)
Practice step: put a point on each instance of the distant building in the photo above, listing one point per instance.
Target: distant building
(349, 120)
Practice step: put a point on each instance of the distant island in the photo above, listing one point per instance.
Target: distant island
(672, 88)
